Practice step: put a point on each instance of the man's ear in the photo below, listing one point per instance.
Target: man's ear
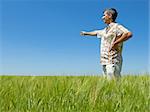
(110, 15)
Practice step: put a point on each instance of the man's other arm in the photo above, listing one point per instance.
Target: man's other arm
(124, 37)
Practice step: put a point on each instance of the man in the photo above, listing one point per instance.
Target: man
(112, 38)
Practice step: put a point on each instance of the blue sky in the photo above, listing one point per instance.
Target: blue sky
(41, 37)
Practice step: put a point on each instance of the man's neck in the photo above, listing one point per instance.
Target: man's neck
(111, 23)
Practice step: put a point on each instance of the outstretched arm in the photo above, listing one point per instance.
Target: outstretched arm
(92, 33)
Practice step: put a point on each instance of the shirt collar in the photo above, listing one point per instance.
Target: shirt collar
(111, 24)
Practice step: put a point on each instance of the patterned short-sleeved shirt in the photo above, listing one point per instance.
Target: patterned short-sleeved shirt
(108, 35)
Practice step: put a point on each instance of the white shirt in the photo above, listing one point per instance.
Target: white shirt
(108, 35)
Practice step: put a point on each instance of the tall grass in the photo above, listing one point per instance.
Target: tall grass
(74, 94)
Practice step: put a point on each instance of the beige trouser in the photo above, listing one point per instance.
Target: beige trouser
(112, 71)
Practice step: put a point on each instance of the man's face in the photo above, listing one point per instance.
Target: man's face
(106, 17)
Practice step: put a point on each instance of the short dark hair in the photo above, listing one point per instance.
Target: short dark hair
(113, 12)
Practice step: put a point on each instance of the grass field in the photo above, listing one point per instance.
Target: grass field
(74, 94)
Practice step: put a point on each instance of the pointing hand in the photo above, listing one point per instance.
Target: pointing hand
(82, 33)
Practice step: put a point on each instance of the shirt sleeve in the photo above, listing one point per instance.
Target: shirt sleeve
(99, 33)
(121, 29)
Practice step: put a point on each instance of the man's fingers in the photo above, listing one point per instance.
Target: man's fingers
(82, 32)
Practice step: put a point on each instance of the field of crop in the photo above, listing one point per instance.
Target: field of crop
(74, 94)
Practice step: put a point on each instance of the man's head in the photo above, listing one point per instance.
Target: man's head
(109, 15)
